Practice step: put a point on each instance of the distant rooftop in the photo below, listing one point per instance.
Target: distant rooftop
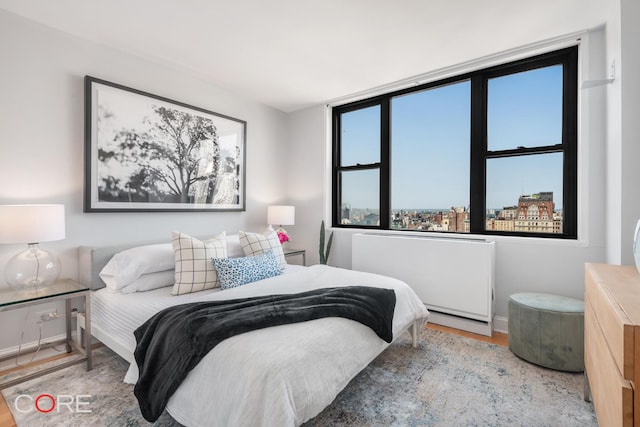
(542, 196)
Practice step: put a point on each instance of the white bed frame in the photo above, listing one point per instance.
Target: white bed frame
(186, 410)
(123, 352)
(104, 338)
(91, 260)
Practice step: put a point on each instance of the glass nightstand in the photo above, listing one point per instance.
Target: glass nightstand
(294, 252)
(63, 289)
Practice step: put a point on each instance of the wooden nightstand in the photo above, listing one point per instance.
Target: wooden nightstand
(63, 289)
(288, 252)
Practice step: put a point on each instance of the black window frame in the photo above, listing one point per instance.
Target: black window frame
(479, 153)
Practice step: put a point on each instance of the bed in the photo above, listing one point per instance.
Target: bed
(283, 375)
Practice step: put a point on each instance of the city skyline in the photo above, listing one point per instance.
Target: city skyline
(534, 213)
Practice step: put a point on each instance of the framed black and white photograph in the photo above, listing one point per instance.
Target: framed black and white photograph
(148, 153)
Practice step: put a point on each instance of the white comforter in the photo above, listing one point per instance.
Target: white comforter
(285, 375)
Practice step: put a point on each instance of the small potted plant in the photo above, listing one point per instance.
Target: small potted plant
(324, 252)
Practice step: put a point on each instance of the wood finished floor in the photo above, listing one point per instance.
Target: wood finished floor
(6, 419)
(497, 338)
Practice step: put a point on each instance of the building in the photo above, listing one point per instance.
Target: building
(508, 213)
(535, 213)
(458, 220)
(499, 224)
(346, 214)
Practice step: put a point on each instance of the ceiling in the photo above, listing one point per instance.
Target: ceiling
(292, 54)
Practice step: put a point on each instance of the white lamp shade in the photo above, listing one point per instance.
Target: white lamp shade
(281, 215)
(31, 223)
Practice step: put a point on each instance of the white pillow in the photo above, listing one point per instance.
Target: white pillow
(150, 281)
(193, 267)
(256, 244)
(126, 266)
(234, 250)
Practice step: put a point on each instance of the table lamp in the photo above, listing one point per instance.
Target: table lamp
(32, 224)
(281, 215)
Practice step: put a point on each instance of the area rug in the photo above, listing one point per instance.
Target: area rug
(448, 380)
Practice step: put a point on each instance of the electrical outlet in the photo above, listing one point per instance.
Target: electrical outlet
(45, 316)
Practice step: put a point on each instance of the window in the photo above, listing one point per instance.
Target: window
(489, 152)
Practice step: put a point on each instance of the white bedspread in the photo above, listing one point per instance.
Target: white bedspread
(278, 376)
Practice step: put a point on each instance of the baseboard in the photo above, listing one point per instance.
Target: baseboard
(8, 355)
(501, 324)
(29, 346)
(464, 324)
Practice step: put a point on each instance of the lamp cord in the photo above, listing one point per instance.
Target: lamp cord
(39, 342)
(37, 267)
(35, 254)
(22, 336)
(26, 319)
(40, 324)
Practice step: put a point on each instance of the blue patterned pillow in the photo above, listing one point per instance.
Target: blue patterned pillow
(234, 272)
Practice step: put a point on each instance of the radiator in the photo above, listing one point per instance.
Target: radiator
(454, 277)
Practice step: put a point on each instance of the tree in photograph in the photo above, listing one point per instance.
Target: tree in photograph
(175, 161)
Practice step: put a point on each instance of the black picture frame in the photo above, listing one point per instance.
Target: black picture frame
(147, 153)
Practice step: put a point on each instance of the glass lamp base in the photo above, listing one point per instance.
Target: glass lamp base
(31, 268)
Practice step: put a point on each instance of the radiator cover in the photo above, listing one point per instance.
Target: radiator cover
(454, 277)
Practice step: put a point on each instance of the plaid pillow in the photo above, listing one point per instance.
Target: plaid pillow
(256, 244)
(194, 271)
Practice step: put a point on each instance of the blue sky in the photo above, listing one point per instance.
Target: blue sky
(430, 144)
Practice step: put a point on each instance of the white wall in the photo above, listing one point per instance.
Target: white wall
(308, 177)
(42, 145)
(629, 69)
(623, 131)
(613, 140)
(522, 265)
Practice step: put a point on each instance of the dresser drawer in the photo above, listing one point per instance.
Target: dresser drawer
(611, 318)
(612, 394)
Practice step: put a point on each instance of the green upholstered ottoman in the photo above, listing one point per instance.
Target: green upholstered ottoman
(547, 330)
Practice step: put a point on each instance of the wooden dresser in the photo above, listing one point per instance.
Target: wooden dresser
(612, 343)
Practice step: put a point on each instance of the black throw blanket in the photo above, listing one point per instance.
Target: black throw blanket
(173, 341)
